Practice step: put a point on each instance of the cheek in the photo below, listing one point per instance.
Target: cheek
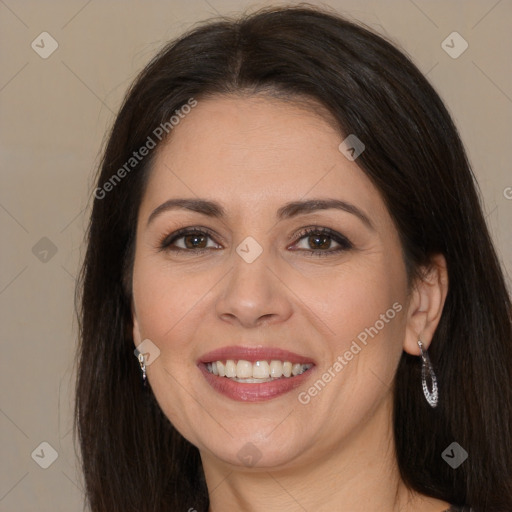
(363, 307)
(165, 299)
(168, 311)
(357, 298)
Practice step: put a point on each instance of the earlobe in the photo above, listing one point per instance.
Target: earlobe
(426, 304)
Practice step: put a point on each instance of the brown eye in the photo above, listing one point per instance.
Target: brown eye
(188, 239)
(194, 241)
(318, 241)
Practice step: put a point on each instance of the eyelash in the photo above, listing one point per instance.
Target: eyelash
(345, 244)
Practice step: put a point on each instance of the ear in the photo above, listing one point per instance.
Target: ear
(426, 305)
(137, 338)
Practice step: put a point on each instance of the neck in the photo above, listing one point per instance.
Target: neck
(358, 476)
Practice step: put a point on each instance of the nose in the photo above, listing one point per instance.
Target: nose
(253, 295)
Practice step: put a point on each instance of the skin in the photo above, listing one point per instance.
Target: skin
(252, 155)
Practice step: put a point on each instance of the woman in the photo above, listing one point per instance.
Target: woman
(286, 234)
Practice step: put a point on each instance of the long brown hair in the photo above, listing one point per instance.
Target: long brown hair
(133, 458)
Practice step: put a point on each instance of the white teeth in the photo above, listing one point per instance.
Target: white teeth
(244, 369)
(296, 369)
(276, 369)
(230, 368)
(260, 370)
(257, 372)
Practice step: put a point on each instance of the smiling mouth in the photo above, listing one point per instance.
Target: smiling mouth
(256, 372)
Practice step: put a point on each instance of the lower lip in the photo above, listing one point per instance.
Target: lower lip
(244, 392)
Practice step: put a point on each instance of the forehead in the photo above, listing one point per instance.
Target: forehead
(243, 150)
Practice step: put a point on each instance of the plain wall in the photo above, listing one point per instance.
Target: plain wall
(54, 115)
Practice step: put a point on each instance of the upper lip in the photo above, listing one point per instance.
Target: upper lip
(253, 354)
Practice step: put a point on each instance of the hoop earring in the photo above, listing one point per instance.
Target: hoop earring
(432, 397)
(142, 363)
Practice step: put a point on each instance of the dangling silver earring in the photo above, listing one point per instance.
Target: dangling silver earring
(142, 364)
(426, 366)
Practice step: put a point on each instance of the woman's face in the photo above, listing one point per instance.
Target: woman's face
(266, 281)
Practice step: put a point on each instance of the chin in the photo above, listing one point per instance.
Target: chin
(254, 452)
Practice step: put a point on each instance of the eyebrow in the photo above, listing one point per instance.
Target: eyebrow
(289, 210)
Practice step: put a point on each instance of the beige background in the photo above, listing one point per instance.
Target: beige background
(54, 115)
